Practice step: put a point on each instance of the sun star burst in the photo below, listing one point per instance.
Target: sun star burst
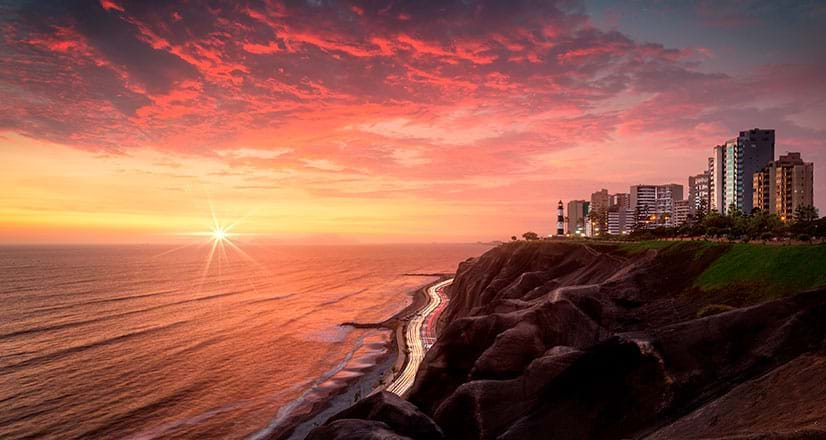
(219, 234)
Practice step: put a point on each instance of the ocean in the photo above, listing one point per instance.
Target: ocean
(141, 342)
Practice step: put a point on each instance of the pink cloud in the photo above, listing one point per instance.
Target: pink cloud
(111, 5)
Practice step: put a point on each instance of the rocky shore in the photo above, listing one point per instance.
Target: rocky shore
(573, 341)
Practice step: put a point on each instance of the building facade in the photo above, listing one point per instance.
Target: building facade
(600, 202)
(622, 200)
(621, 220)
(578, 217)
(654, 205)
(620, 217)
(713, 188)
(682, 212)
(732, 168)
(756, 149)
(784, 185)
(699, 192)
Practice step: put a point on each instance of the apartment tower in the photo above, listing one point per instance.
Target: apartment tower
(699, 192)
(654, 205)
(621, 218)
(784, 185)
(732, 168)
(600, 202)
(578, 217)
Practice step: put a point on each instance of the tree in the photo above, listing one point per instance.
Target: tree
(715, 224)
(762, 224)
(530, 236)
(599, 221)
(513, 238)
(701, 211)
(805, 222)
(819, 227)
(806, 214)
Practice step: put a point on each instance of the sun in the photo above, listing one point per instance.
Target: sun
(218, 238)
(219, 234)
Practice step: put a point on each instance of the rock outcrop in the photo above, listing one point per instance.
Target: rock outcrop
(568, 341)
(390, 416)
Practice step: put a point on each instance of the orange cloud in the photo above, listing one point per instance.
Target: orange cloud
(417, 117)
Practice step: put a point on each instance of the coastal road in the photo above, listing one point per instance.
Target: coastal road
(420, 335)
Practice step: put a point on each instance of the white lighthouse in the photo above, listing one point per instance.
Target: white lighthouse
(560, 220)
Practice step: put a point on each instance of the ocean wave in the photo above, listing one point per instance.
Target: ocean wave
(330, 334)
(341, 298)
(104, 301)
(71, 324)
(123, 421)
(272, 298)
(59, 354)
(320, 388)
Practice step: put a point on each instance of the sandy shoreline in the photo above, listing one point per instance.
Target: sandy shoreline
(378, 376)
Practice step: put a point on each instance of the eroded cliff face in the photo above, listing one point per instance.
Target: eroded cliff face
(569, 341)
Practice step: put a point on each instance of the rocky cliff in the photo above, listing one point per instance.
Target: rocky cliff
(573, 341)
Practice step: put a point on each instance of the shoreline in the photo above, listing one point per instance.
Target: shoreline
(418, 337)
(377, 377)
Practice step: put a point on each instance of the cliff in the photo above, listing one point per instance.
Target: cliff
(572, 341)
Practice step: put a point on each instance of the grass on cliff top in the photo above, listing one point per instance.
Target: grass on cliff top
(773, 271)
(758, 271)
(636, 247)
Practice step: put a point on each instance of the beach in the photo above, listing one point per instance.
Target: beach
(382, 375)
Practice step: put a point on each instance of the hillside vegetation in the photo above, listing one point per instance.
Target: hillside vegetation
(771, 270)
(766, 271)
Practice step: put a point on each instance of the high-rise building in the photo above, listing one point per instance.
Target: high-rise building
(784, 185)
(621, 220)
(600, 201)
(723, 166)
(713, 188)
(654, 204)
(578, 217)
(620, 216)
(560, 220)
(756, 149)
(682, 212)
(699, 192)
(622, 200)
(733, 165)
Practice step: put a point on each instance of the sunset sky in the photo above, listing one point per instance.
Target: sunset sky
(381, 121)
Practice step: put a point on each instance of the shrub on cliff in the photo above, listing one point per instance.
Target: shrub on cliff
(530, 236)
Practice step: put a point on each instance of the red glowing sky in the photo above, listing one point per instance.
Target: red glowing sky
(381, 120)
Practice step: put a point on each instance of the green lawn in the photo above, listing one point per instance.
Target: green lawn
(636, 247)
(772, 270)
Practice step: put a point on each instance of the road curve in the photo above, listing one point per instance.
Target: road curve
(419, 336)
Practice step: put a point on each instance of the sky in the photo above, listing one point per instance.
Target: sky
(381, 121)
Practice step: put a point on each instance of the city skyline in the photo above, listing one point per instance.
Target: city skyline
(382, 122)
(743, 175)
